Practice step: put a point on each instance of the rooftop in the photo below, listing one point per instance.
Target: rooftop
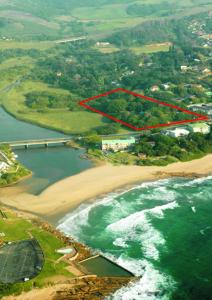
(119, 141)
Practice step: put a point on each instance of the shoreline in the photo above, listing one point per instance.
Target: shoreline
(66, 195)
(17, 181)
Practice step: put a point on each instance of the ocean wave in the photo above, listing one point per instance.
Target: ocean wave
(153, 285)
(137, 227)
(80, 215)
(193, 182)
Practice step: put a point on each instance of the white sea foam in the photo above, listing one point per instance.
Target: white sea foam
(153, 284)
(137, 227)
(193, 182)
(193, 208)
(120, 242)
(80, 215)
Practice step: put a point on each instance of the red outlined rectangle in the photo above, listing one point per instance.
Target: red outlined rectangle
(200, 117)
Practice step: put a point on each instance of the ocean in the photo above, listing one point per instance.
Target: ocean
(161, 231)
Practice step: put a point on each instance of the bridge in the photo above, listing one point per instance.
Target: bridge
(39, 142)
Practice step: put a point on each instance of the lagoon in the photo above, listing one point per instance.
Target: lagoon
(48, 165)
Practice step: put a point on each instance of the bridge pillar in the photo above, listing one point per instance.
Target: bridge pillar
(26, 146)
(46, 145)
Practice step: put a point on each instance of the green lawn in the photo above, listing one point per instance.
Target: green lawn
(108, 49)
(16, 62)
(39, 20)
(59, 119)
(25, 45)
(16, 229)
(162, 47)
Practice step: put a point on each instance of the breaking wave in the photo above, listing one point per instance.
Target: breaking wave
(153, 285)
(127, 221)
(138, 227)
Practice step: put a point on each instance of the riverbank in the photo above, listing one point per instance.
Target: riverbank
(65, 195)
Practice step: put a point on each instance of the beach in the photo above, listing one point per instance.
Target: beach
(67, 194)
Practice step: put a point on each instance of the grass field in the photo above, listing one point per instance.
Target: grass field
(151, 48)
(46, 20)
(25, 45)
(16, 229)
(108, 49)
(16, 62)
(62, 119)
(162, 47)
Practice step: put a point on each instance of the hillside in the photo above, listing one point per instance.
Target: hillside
(54, 19)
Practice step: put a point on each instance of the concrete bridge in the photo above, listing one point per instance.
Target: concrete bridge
(39, 142)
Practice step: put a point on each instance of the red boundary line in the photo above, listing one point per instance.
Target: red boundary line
(200, 116)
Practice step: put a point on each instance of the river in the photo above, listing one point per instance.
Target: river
(47, 164)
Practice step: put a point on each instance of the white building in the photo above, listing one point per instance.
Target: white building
(155, 88)
(102, 44)
(184, 68)
(117, 144)
(3, 166)
(177, 132)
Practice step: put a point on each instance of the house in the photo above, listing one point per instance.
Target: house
(102, 44)
(3, 166)
(184, 68)
(205, 71)
(155, 88)
(117, 144)
(206, 108)
(199, 127)
(177, 132)
(166, 86)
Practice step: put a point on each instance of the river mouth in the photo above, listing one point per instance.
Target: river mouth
(48, 165)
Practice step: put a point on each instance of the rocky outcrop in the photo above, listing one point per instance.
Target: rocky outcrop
(83, 251)
(91, 288)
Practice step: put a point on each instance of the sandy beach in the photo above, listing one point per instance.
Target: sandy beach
(67, 194)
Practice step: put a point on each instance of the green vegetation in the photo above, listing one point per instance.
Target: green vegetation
(53, 19)
(62, 119)
(138, 112)
(15, 229)
(14, 171)
(151, 48)
(48, 82)
(161, 149)
(158, 149)
(161, 9)
(26, 45)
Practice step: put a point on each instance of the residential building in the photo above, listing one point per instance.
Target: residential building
(205, 71)
(184, 68)
(102, 44)
(3, 166)
(166, 86)
(199, 127)
(177, 132)
(155, 88)
(117, 144)
(205, 108)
